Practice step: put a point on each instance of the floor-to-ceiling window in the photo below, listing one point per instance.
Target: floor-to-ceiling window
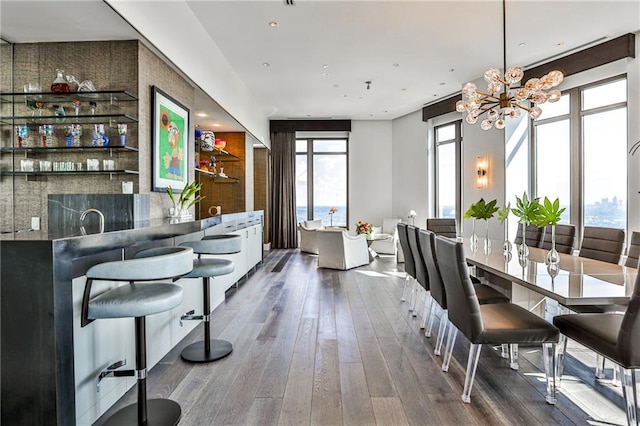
(580, 153)
(321, 180)
(447, 159)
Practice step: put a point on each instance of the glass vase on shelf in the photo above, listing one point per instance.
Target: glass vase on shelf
(473, 240)
(506, 245)
(553, 258)
(523, 250)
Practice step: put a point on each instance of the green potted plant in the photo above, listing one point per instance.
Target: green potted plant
(503, 217)
(485, 211)
(527, 210)
(187, 198)
(550, 214)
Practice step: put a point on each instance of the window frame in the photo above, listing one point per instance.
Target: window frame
(457, 140)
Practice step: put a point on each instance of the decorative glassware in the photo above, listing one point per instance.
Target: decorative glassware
(93, 107)
(553, 258)
(207, 140)
(122, 131)
(47, 132)
(473, 241)
(59, 112)
(487, 241)
(23, 136)
(76, 107)
(74, 131)
(60, 85)
(506, 245)
(523, 250)
(99, 138)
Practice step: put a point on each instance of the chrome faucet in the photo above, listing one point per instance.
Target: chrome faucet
(84, 215)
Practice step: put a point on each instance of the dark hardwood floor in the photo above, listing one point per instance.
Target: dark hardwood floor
(318, 346)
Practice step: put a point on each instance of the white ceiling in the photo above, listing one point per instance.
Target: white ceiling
(437, 45)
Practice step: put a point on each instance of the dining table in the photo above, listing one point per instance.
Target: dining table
(574, 281)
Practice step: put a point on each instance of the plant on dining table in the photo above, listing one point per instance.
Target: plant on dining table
(550, 213)
(503, 217)
(527, 210)
(485, 211)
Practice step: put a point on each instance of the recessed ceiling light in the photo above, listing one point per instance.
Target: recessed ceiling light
(442, 83)
(452, 70)
(345, 96)
(404, 89)
(560, 43)
(216, 125)
(324, 74)
(266, 64)
(325, 66)
(396, 65)
(435, 95)
(274, 24)
(336, 85)
(360, 97)
(386, 110)
(201, 114)
(522, 44)
(370, 115)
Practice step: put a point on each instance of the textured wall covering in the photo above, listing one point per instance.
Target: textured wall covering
(261, 186)
(110, 65)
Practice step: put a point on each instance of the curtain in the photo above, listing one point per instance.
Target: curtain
(284, 229)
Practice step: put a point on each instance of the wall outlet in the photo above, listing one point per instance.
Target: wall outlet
(35, 223)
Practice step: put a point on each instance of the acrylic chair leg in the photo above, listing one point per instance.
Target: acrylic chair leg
(630, 396)
(600, 366)
(414, 298)
(428, 302)
(561, 350)
(513, 356)
(550, 359)
(432, 316)
(472, 365)
(504, 353)
(453, 332)
(406, 286)
(615, 380)
(442, 330)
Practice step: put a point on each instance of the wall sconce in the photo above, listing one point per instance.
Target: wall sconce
(411, 215)
(482, 171)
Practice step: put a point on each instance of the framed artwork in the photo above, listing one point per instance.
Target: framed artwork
(170, 130)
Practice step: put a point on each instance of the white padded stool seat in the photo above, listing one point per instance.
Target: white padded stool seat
(147, 265)
(135, 300)
(216, 244)
(210, 268)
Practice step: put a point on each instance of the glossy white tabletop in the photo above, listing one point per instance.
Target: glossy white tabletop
(577, 280)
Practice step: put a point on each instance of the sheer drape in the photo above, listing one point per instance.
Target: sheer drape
(284, 232)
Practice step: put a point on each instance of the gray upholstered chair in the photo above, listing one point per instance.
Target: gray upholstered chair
(207, 268)
(601, 243)
(492, 324)
(613, 336)
(565, 238)
(533, 235)
(409, 263)
(633, 252)
(484, 293)
(137, 300)
(422, 276)
(443, 226)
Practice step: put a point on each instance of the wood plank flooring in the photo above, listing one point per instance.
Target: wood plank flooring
(324, 347)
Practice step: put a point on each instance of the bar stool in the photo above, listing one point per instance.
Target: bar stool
(206, 268)
(138, 300)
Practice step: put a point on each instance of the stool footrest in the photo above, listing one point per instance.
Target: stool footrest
(112, 371)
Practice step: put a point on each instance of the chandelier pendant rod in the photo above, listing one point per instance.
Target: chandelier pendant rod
(504, 42)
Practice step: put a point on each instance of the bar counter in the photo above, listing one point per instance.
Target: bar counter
(37, 307)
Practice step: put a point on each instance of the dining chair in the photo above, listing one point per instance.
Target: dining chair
(565, 238)
(613, 336)
(421, 272)
(533, 235)
(633, 252)
(409, 264)
(484, 293)
(601, 243)
(491, 324)
(443, 226)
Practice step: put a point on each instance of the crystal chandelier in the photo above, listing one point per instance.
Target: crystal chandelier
(505, 95)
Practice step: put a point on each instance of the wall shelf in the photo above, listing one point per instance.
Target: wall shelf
(76, 172)
(50, 97)
(68, 149)
(217, 178)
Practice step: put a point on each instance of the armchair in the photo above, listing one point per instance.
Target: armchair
(339, 250)
(389, 228)
(308, 239)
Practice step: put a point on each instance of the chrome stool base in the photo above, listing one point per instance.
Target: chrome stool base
(196, 352)
(161, 412)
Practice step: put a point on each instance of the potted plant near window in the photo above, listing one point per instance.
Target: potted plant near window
(549, 214)
(527, 210)
(485, 211)
(187, 198)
